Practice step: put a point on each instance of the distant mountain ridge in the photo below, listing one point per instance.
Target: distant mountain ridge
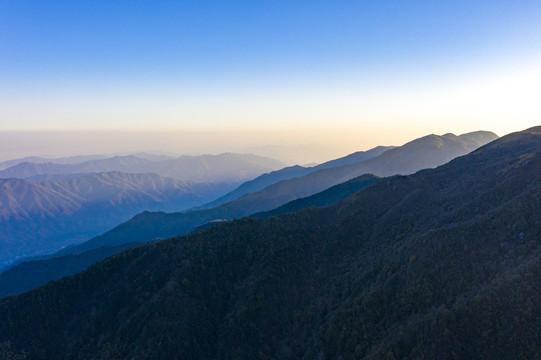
(22, 199)
(40, 160)
(268, 179)
(426, 152)
(227, 167)
(44, 216)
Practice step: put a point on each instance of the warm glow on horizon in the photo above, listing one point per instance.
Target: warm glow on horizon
(497, 100)
(347, 76)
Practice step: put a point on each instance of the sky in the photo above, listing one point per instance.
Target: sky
(222, 75)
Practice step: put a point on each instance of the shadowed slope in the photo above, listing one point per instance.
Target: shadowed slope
(440, 264)
(324, 198)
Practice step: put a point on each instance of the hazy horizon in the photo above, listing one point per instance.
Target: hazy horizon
(306, 147)
(207, 77)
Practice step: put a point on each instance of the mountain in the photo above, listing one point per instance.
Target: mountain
(355, 157)
(325, 198)
(426, 152)
(34, 273)
(40, 217)
(116, 163)
(273, 177)
(259, 183)
(445, 263)
(22, 199)
(40, 160)
(146, 226)
(232, 168)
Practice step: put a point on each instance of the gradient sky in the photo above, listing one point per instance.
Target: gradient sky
(377, 71)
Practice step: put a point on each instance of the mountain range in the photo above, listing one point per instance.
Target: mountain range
(149, 226)
(33, 273)
(40, 160)
(416, 155)
(40, 217)
(227, 167)
(444, 263)
(45, 206)
(273, 177)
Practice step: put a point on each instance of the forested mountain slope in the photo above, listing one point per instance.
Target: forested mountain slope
(324, 198)
(33, 273)
(431, 150)
(445, 263)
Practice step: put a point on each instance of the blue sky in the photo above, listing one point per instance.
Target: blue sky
(373, 66)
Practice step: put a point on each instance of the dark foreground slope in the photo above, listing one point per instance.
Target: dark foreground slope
(445, 263)
(32, 274)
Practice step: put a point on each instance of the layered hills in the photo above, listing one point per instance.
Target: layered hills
(325, 198)
(37, 217)
(416, 155)
(227, 167)
(30, 274)
(45, 206)
(149, 226)
(274, 177)
(444, 263)
(40, 160)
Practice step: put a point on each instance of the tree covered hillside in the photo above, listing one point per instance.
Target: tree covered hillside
(445, 263)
